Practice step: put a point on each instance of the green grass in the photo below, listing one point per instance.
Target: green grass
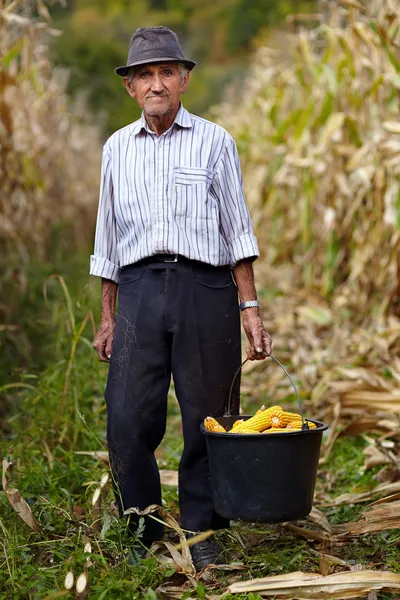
(63, 412)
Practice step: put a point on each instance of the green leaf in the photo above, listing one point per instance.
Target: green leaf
(13, 52)
(169, 572)
(201, 592)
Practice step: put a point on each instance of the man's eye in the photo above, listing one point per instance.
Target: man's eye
(144, 75)
(167, 72)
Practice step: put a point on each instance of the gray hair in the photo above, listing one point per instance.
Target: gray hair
(133, 70)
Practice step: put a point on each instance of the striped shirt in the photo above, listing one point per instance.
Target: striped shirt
(179, 193)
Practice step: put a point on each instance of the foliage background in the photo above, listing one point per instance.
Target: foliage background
(316, 122)
(217, 35)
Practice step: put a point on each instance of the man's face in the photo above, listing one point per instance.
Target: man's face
(157, 88)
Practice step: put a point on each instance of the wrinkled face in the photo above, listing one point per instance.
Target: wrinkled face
(157, 87)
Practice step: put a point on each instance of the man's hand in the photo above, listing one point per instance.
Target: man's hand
(103, 341)
(259, 338)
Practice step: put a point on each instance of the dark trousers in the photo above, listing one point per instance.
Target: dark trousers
(180, 319)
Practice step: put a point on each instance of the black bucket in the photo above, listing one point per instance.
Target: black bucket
(268, 478)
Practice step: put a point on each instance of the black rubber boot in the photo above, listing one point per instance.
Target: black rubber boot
(205, 553)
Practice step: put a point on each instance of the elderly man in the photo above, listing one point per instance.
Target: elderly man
(174, 238)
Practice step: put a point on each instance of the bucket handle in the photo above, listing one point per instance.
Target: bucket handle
(228, 411)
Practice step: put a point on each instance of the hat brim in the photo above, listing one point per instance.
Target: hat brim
(123, 71)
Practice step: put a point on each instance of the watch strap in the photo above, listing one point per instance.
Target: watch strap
(249, 304)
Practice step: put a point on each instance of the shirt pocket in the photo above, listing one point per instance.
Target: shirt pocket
(191, 187)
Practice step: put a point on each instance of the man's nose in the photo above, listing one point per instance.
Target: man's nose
(156, 84)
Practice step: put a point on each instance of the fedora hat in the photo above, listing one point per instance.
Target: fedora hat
(151, 45)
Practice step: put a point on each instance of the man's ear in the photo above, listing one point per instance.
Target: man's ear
(185, 83)
(130, 88)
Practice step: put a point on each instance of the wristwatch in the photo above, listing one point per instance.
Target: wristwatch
(249, 304)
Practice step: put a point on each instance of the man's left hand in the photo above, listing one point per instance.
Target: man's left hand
(259, 338)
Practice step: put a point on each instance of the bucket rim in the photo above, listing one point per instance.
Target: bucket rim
(320, 427)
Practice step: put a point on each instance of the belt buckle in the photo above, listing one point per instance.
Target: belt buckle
(172, 260)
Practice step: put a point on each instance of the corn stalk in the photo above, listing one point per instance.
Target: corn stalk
(320, 144)
(49, 150)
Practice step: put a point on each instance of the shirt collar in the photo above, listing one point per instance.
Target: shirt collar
(182, 119)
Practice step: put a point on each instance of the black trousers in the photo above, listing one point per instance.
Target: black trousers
(180, 319)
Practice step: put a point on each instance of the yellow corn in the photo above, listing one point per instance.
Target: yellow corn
(285, 418)
(242, 431)
(236, 423)
(298, 425)
(212, 425)
(259, 422)
(281, 429)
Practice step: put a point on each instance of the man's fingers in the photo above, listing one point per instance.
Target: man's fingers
(100, 347)
(251, 353)
(109, 346)
(267, 343)
(102, 354)
(257, 345)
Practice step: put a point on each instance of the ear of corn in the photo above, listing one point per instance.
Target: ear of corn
(212, 425)
(260, 421)
(298, 425)
(270, 420)
(281, 429)
(236, 424)
(285, 418)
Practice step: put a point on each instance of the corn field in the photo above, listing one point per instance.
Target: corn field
(49, 150)
(320, 142)
(319, 138)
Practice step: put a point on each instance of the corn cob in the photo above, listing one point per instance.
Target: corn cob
(236, 423)
(285, 418)
(259, 422)
(281, 429)
(212, 425)
(299, 424)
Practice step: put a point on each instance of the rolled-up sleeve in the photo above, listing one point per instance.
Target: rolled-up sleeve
(104, 261)
(236, 227)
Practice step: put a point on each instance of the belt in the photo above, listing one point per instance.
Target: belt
(165, 258)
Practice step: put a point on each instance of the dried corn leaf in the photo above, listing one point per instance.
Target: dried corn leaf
(200, 537)
(318, 517)
(369, 424)
(183, 558)
(386, 499)
(301, 585)
(375, 456)
(99, 454)
(169, 477)
(17, 502)
(304, 533)
(392, 126)
(172, 591)
(377, 518)
(349, 498)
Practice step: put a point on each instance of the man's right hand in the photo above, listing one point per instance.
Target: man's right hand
(103, 342)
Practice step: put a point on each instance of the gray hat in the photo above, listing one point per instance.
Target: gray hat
(151, 45)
